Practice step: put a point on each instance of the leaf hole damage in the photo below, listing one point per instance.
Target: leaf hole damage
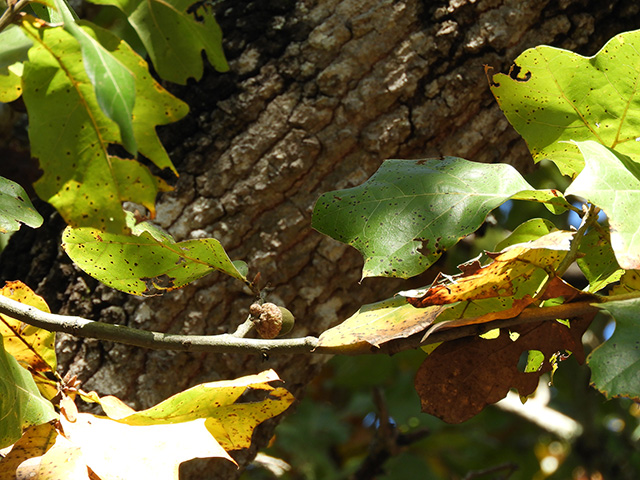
(158, 285)
(515, 71)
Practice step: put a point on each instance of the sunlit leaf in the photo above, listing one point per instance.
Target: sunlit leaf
(113, 83)
(615, 364)
(379, 323)
(175, 34)
(410, 211)
(528, 231)
(228, 418)
(554, 95)
(16, 207)
(10, 86)
(503, 288)
(144, 264)
(499, 290)
(207, 420)
(116, 450)
(21, 404)
(33, 347)
(70, 135)
(612, 182)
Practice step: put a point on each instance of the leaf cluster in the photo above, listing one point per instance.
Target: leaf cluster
(93, 109)
(580, 114)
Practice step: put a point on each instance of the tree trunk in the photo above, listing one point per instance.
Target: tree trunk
(320, 92)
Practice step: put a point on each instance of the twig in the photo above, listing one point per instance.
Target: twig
(230, 343)
(387, 441)
(10, 14)
(244, 328)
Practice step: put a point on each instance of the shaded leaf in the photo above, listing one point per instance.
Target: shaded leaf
(16, 207)
(528, 231)
(70, 134)
(21, 404)
(410, 211)
(35, 442)
(113, 83)
(378, 323)
(175, 34)
(612, 182)
(598, 262)
(15, 46)
(461, 377)
(552, 96)
(145, 265)
(615, 364)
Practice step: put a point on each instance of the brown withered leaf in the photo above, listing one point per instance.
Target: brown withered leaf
(462, 376)
(503, 288)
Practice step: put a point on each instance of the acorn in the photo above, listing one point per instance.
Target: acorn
(271, 320)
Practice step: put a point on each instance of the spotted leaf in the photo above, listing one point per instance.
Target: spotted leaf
(410, 211)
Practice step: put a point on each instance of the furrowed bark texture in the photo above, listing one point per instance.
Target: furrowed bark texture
(319, 93)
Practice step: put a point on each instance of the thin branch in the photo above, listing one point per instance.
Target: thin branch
(244, 328)
(230, 343)
(81, 327)
(11, 13)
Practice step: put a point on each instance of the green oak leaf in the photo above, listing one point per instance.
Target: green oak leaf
(552, 96)
(21, 404)
(174, 34)
(611, 181)
(70, 135)
(16, 208)
(614, 364)
(113, 83)
(410, 211)
(598, 262)
(147, 264)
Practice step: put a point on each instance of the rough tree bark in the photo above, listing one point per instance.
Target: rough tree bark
(319, 93)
